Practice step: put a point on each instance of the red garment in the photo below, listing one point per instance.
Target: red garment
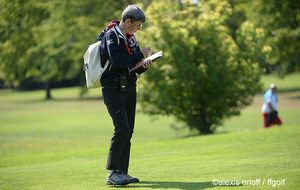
(274, 122)
(131, 39)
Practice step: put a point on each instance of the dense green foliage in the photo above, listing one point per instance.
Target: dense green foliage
(44, 41)
(252, 46)
(281, 22)
(17, 20)
(202, 78)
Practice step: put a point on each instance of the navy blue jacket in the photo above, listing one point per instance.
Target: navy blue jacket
(119, 57)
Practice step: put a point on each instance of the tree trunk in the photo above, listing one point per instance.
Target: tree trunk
(200, 123)
(146, 3)
(47, 88)
(204, 127)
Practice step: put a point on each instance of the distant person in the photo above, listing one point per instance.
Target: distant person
(269, 108)
(119, 88)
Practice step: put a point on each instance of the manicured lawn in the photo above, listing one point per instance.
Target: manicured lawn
(288, 105)
(63, 144)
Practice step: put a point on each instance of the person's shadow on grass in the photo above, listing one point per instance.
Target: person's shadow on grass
(171, 184)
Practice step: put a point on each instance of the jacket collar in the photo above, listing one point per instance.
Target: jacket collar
(115, 24)
(121, 35)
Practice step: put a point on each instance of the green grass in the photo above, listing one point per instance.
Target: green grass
(63, 144)
(287, 83)
(288, 105)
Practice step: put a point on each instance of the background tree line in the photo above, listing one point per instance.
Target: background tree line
(215, 50)
(42, 42)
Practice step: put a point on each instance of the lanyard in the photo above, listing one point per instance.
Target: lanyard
(128, 52)
(127, 47)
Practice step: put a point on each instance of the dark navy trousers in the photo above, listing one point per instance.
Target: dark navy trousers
(121, 107)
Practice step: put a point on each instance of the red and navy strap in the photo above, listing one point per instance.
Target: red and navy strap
(127, 47)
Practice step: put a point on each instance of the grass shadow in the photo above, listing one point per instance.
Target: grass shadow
(170, 185)
(61, 99)
(295, 98)
(289, 90)
(78, 99)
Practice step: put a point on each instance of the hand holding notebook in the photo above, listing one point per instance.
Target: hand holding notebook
(153, 57)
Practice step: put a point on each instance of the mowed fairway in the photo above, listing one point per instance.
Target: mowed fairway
(63, 144)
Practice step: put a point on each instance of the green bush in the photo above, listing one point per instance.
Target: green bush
(201, 79)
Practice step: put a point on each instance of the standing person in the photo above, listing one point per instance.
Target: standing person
(269, 108)
(119, 88)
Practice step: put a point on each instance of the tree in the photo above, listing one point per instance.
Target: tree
(45, 40)
(16, 36)
(63, 38)
(238, 16)
(252, 45)
(281, 21)
(202, 79)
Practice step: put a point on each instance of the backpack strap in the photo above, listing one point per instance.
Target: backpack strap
(113, 29)
(118, 39)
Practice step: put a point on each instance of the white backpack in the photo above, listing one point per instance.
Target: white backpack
(92, 64)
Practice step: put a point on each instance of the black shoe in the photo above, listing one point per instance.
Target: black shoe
(130, 179)
(116, 178)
